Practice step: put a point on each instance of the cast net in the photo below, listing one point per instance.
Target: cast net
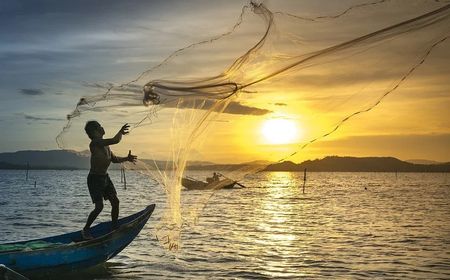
(315, 63)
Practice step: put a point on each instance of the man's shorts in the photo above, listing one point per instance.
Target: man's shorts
(100, 186)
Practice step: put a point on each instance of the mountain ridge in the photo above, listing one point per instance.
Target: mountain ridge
(68, 159)
(358, 164)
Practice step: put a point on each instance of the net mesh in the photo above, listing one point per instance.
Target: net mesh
(296, 64)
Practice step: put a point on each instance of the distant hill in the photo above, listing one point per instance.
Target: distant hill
(252, 165)
(66, 159)
(53, 159)
(423, 161)
(358, 164)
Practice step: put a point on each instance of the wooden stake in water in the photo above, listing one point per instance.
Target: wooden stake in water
(124, 180)
(304, 180)
(28, 167)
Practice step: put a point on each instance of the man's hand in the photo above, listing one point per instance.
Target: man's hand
(131, 158)
(124, 129)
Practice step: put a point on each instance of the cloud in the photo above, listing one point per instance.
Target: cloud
(237, 108)
(33, 118)
(234, 107)
(31, 91)
(280, 104)
(105, 86)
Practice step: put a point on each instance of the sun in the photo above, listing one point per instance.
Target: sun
(280, 131)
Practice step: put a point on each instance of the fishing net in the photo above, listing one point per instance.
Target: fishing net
(314, 63)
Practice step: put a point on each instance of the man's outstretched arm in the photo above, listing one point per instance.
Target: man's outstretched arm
(116, 139)
(130, 158)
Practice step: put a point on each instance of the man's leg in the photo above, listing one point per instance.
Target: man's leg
(94, 214)
(114, 210)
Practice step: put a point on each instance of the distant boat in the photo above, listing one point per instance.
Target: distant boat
(69, 252)
(193, 184)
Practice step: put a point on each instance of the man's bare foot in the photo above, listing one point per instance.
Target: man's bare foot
(86, 234)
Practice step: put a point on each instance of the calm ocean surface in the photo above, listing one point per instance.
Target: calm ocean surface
(399, 228)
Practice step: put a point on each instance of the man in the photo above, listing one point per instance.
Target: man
(99, 183)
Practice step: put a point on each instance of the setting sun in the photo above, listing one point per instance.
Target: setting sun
(279, 131)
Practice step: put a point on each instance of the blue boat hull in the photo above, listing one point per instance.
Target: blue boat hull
(71, 252)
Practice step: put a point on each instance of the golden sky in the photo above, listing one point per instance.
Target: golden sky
(51, 61)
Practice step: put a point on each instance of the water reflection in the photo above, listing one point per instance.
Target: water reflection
(397, 229)
(280, 179)
(280, 207)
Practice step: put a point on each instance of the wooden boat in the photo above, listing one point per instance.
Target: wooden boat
(193, 184)
(69, 252)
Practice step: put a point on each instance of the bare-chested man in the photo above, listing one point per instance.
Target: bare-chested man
(98, 181)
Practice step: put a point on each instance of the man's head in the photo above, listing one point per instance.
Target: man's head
(94, 129)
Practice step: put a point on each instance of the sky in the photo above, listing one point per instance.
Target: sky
(52, 53)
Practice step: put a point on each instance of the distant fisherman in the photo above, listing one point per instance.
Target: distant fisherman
(98, 181)
(214, 178)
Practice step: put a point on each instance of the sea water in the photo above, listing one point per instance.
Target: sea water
(345, 225)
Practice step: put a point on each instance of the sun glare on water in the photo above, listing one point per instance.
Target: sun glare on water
(280, 131)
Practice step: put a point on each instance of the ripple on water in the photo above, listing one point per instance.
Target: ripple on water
(397, 229)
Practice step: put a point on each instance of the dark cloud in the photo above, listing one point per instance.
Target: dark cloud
(88, 7)
(237, 108)
(31, 91)
(33, 118)
(280, 104)
(114, 107)
(126, 88)
(234, 108)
